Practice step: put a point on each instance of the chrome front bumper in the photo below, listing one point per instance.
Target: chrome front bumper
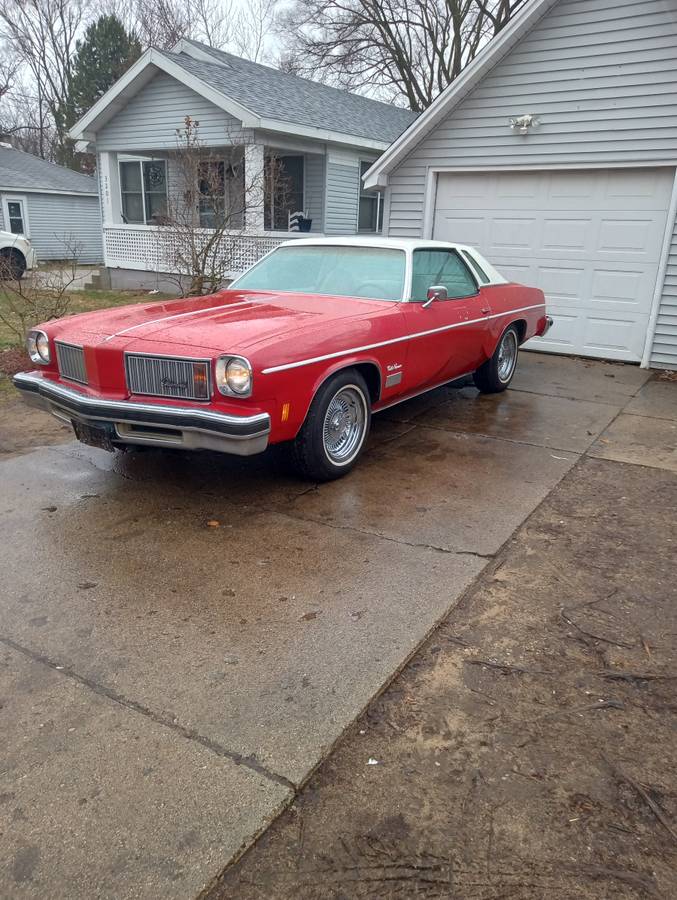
(548, 325)
(149, 423)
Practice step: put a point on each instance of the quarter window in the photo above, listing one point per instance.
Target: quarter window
(143, 186)
(443, 267)
(370, 215)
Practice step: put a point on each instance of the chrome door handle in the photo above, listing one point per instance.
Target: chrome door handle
(485, 312)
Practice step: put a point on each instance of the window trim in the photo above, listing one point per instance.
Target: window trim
(464, 264)
(140, 160)
(380, 199)
(16, 198)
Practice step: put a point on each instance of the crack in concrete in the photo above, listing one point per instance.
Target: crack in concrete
(376, 534)
(249, 762)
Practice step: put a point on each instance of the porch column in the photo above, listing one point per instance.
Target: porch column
(254, 188)
(108, 184)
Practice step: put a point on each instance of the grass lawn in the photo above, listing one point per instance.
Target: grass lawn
(11, 351)
(82, 301)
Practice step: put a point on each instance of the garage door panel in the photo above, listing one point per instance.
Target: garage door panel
(591, 240)
(641, 237)
(626, 288)
(615, 338)
(464, 229)
(512, 233)
(560, 234)
(561, 283)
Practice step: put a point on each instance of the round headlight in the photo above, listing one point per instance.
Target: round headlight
(38, 347)
(42, 346)
(238, 376)
(234, 376)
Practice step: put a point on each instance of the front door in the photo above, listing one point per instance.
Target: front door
(452, 330)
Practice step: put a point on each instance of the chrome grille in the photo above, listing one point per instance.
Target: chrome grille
(71, 361)
(166, 376)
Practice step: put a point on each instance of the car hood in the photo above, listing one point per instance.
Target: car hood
(230, 321)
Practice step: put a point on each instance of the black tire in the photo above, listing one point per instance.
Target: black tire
(12, 264)
(494, 375)
(317, 452)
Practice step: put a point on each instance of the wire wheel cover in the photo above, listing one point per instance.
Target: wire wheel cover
(507, 356)
(344, 424)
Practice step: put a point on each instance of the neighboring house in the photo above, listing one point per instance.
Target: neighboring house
(323, 139)
(583, 202)
(56, 208)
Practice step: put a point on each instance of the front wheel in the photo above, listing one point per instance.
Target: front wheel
(496, 373)
(12, 264)
(336, 428)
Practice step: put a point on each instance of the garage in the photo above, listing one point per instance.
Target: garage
(591, 239)
(555, 152)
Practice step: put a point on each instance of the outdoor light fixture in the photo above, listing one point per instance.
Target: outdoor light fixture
(522, 124)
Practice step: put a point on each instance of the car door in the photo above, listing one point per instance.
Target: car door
(446, 336)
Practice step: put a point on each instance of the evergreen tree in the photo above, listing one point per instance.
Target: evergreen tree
(104, 54)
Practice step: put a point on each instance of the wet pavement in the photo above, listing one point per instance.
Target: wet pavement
(184, 638)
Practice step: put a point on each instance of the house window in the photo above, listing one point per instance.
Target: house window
(212, 194)
(283, 190)
(16, 216)
(143, 185)
(370, 215)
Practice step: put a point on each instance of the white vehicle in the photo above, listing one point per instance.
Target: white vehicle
(16, 255)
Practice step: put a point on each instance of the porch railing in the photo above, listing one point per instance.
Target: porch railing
(153, 248)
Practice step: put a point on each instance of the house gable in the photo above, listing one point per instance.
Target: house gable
(600, 77)
(149, 121)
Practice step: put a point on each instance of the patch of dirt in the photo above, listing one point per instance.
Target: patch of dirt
(14, 360)
(528, 750)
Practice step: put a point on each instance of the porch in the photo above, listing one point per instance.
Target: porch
(235, 201)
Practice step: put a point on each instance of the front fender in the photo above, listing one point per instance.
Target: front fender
(296, 389)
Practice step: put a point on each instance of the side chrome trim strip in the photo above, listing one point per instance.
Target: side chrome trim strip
(425, 390)
(398, 340)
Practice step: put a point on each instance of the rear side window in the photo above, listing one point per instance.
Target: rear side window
(476, 267)
(444, 267)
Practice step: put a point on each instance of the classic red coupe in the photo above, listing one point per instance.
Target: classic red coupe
(302, 348)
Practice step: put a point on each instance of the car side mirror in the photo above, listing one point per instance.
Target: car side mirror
(435, 292)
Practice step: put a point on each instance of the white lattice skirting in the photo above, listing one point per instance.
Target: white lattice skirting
(157, 249)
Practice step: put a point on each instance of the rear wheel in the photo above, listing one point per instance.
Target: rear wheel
(496, 373)
(336, 428)
(12, 264)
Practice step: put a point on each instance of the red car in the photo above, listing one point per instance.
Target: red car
(302, 348)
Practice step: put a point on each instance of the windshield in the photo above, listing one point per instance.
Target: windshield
(376, 273)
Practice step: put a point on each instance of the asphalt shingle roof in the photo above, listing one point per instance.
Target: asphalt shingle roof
(270, 93)
(22, 171)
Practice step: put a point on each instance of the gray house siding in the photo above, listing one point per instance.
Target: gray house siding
(151, 118)
(59, 220)
(664, 350)
(600, 75)
(343, 190)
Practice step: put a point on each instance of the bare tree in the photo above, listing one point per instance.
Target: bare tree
(242, 27)
(252, 27)
(43, 35)
(215, 207)
(161, 23)
(41, 294)
(402, 50)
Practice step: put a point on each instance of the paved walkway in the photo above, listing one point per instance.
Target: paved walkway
(171, 683)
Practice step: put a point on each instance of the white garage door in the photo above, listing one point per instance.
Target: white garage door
(590, 240)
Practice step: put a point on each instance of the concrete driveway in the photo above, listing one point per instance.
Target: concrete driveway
(183, 638)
